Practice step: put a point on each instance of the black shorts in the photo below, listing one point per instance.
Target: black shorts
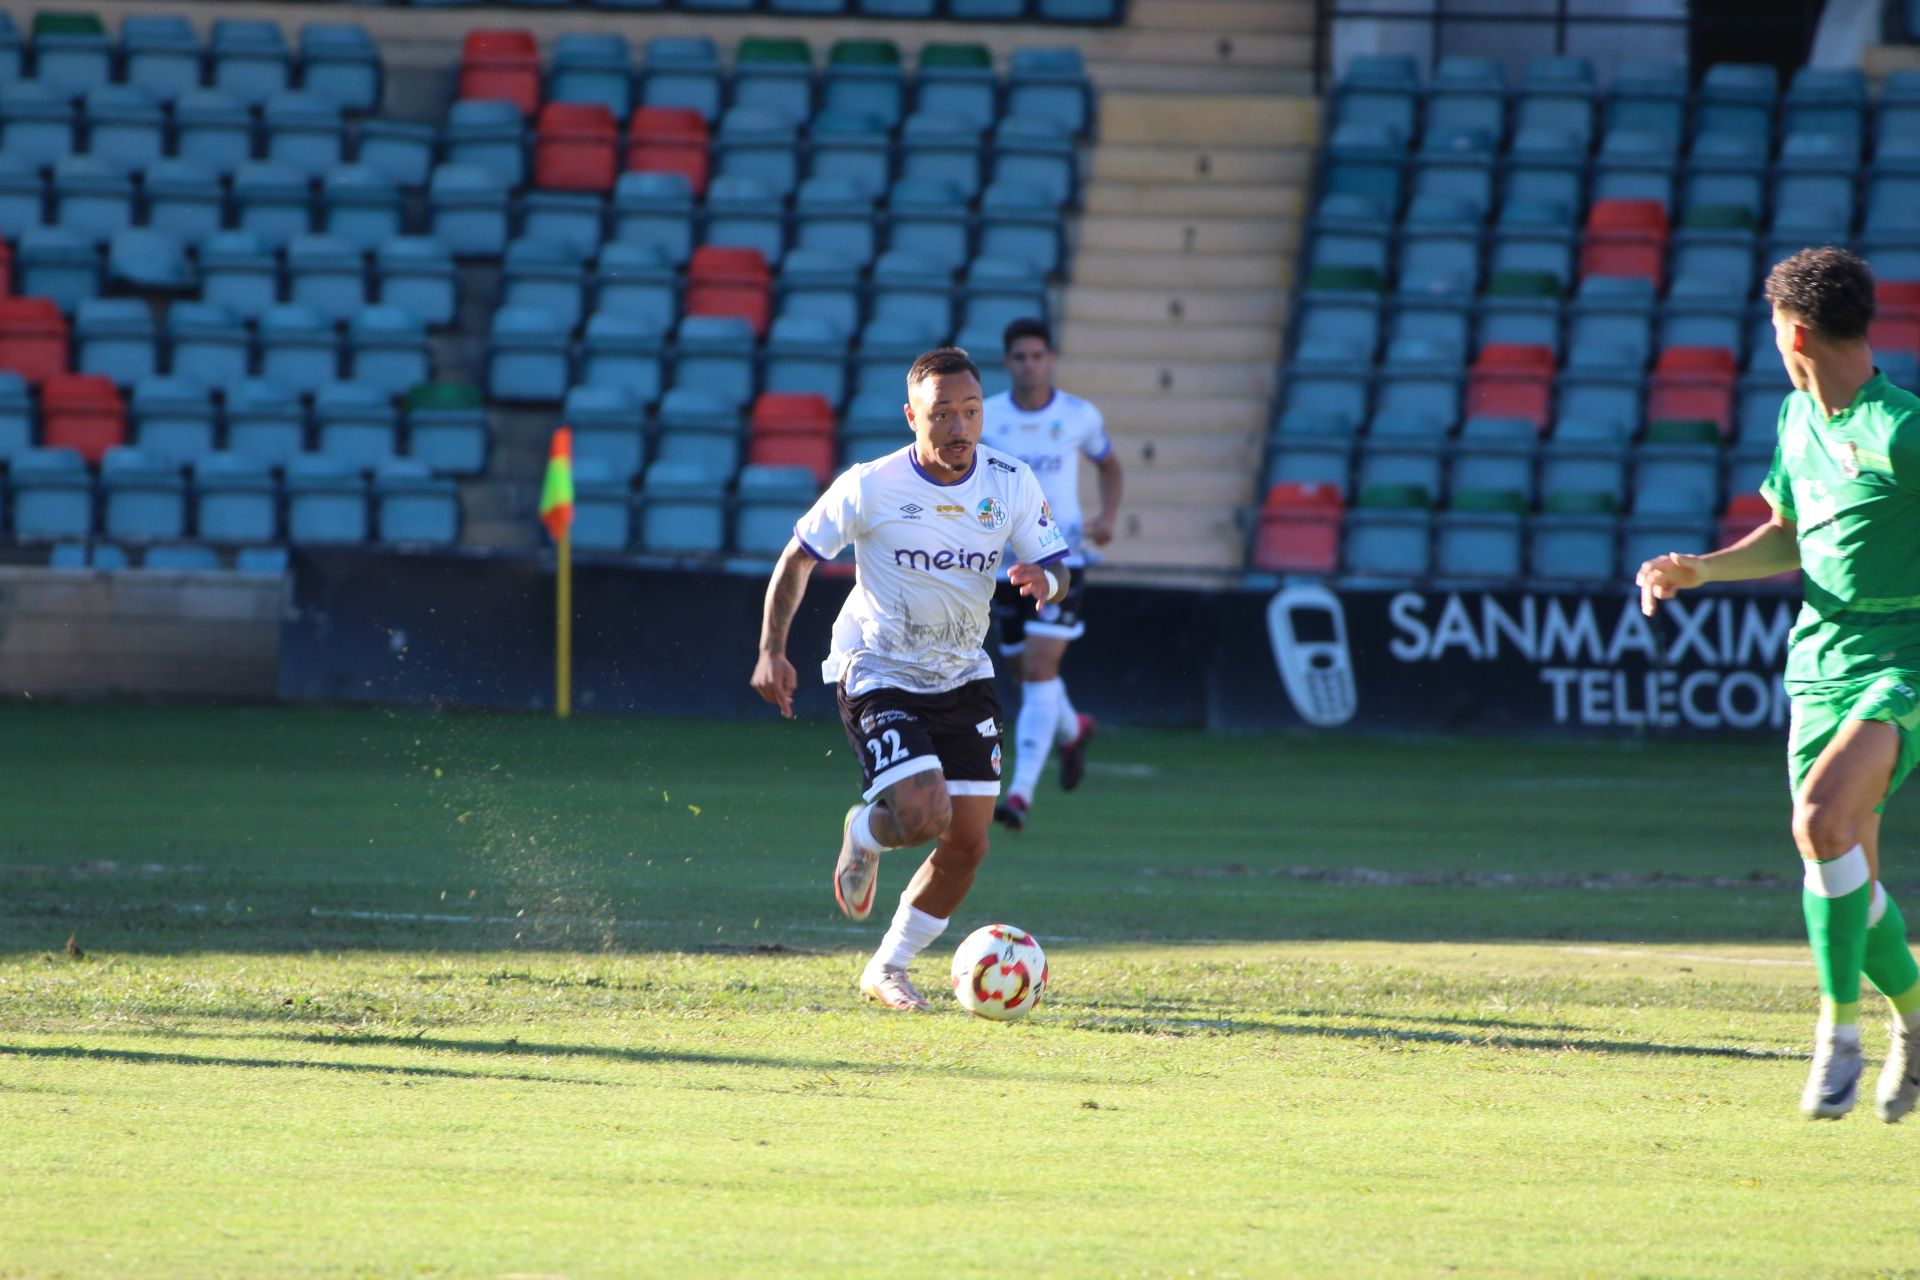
(1065, 620)
(897, 734)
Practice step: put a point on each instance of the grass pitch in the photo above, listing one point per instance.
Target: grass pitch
(368, 994)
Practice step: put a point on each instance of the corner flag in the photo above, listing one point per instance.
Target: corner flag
(556, 495)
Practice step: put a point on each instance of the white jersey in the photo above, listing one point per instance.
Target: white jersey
(1051, 439)
(927, 555)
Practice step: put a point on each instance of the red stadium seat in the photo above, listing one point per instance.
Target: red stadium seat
(1895, 331)
(1693, 384)
(33, 338)
(1511, 357)
(1902, 296)
(1625, 238)
(501, 63)
(1637, 217)
(728, 264)
(1716, 363)
(82, 412)
(1299, 529)
(1499, 394)
(6, 270)
(729, 280)
(576, 147)
(791, 413)
(785, 449)
(669, 140)
(1746, 512)
(667, 124)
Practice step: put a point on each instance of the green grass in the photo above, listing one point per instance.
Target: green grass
(1561, 1034)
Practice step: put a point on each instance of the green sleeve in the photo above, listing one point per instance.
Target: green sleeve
(1777, 488)
(1903, 454)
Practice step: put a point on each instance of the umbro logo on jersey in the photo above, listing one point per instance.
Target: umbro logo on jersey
(912, 509)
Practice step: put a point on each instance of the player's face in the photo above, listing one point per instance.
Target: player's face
(945, 413)
(1787, 336)
(1030, 362)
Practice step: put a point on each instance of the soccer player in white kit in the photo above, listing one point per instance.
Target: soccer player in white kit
(1050, 431)
(931, 526)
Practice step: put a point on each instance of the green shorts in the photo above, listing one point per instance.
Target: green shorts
(1817, 717)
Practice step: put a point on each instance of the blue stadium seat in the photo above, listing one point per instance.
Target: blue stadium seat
(1827, 100)
(1571, 548)
(1648, 96)
(1365, 160)
(655, 209)
(1478, 546)
(1049, 83)
(22, 197)
(52, 494)
(851, 147)
(267, 561)
(1403, 462)
(1813, 190)
(873, 426)
(162, 54)
(265, 422)
(1381, 91)
(1636, 164)
(1727, 171)
(808, 355)
(361, 206)
(1737, 98)
(303, 133)
(682, 71)
(1326, 404)
(1101, 11)
(91, 197)
(52, 262)
(355, 423)
(1644, 537)
(834, 215)
(273, 202)
(117, 337)
(902, 295)
(387, 349)
(544, 276)
(636, 281)
(1557, 93)
(1467, 95)
(297, 348)
(1706, 321)
(784, 88)
(450, 438)
(1611, 340)
(1455, 173)
(1545, 168)
(144, 498)
(184, 198)
(602, 506)
(16, 415)
(173, 419)
(487, 134)
(1020, 224)
(699, 429)
(413, 506)
(340, 62)
(1388, 544)
(771, 501)
(987, 10)
(399, 151)
(213, 128)
(37, 122)
(874, 89)
(326, 501)
(1356, 322)
(1035, 153)
(1676, 480)
(609, 427)
(1492, 463)
(684, 508)
(1598, 406)
(715, 355)
(624, 351)
(209, 343)
(823, 287)
(327, 274)
(927, 221)
(417, 274)
(996, 293)
(758, 145)
(250, 59)
(149, 260)
(72, 61)
(1312, 460)
(592, 67)
(181, 557)
(746, 212)
(576, 219)
(1589, 468)
(969, 93)
(469, 210)
(125, 126)
(1438, 260)
(885, 351)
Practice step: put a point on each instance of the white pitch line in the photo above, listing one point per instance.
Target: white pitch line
(423, 917)
(1690, 956)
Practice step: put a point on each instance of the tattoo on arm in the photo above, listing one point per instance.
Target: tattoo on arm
(788, 584)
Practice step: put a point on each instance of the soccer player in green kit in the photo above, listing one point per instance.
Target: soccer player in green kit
(1845, 491)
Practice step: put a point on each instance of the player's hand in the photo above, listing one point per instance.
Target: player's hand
(774, 680)
(1099, 531)
(1664, 577)
(1031, 581)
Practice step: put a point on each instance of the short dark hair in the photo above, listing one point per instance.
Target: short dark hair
(1026, 327)
(941, 360)
(1828, 290)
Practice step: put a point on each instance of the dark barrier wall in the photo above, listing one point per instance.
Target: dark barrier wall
(477, 631)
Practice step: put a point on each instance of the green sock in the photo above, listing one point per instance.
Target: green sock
(1888, 962)
(1837, 897)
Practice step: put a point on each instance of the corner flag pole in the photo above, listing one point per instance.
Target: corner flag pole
(556, 512)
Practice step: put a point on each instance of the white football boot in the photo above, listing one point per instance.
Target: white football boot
(856, 875)
(1900, 1076)
(1833, 1083)
(889, 986)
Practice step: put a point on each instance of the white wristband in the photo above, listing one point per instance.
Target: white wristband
(1053, 583)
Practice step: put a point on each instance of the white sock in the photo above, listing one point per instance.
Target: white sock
(1033, 734)
(1845, 1033)
(911, 932)
(861, 829)
(1068, 727)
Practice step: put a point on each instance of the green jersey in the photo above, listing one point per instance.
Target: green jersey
(1851, 484)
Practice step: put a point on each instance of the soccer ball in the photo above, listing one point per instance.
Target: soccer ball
(999, 972)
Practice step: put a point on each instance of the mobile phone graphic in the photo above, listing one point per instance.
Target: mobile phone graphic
(1309, 633)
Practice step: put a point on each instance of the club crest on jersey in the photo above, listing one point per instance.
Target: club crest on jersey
(996, 759)
(992, 513)
(1046, 514)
